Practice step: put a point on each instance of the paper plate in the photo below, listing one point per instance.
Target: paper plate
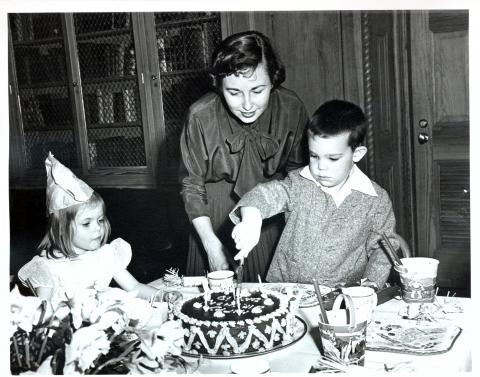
(412, 337)
(307, 292)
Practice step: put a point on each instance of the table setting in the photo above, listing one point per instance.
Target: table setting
(399, 334)
(246, 328)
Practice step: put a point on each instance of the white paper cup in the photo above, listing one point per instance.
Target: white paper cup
(364, 301)
(220, 281)
(418, 279)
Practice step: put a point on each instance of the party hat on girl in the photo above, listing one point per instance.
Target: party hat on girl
(64, 189)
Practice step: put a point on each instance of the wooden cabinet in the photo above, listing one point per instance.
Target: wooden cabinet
(105, 92)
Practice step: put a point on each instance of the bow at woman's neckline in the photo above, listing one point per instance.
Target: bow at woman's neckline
(265, 144)
(255, 147)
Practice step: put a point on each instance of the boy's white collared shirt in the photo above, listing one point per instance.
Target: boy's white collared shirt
(357, 180)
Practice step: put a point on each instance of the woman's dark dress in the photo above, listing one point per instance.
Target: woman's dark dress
(224, 158)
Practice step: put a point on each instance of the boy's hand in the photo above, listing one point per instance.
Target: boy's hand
(246, 234)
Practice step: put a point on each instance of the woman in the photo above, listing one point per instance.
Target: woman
(249, 130)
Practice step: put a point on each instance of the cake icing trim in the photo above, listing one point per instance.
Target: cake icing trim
(196, 337)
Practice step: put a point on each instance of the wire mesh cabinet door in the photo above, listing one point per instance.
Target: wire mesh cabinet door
(76, 86)
(179, 49)
(108, 70)
(39, 92)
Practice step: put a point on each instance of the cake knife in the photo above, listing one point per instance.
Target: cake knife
(240, 274)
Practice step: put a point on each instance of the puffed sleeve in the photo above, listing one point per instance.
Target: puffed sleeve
(193, 168)
(38, 273)
(122, 254)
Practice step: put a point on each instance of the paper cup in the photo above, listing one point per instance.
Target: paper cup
(343, 339)
(418, 279)
(364, 300)
(220, 281)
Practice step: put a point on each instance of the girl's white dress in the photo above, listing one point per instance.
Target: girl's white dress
(93, 269)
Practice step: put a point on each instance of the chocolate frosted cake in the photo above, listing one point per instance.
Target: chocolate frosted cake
(222, 324)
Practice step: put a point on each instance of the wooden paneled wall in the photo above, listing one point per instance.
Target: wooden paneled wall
(386, 75)
(316, 47)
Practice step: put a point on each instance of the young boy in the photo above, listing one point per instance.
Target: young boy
(335, 215)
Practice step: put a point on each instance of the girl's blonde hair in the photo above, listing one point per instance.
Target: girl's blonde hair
(57, 242)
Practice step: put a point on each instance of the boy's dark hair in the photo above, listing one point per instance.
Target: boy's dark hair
(242, 51)
(337, 116)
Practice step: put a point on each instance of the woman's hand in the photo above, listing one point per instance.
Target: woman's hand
(216, 254)
(246, 234)
(213, 246)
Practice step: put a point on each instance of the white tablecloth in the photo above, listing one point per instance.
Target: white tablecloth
(300, 356)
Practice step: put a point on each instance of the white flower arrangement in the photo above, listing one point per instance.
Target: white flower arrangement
(92, 332)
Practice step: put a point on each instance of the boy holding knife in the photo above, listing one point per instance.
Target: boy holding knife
(335, 215)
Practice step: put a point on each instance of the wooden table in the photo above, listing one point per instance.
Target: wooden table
(300, 356)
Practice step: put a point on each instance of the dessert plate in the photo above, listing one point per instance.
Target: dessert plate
(300, 331)
(413, 337)
(307, 292)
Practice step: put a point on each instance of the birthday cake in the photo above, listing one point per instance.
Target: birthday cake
(219, 323)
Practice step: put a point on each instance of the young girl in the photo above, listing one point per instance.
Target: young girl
(74, 253)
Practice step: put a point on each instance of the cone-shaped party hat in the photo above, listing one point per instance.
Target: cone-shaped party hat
(64, 189)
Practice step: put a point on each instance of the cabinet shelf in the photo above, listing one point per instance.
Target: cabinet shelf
(93, 126)
(107, 81)
(38, 42)
(118, 35)
(183, 72)
(60, 128)
(105, 33)
(43, 87)
(116, 125)
(188, 21)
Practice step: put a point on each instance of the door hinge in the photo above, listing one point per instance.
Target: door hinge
(143, 81)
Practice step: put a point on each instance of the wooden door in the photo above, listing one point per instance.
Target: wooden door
(440, 121)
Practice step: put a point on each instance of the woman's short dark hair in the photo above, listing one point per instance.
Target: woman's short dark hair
(245, 50)
(337, 116)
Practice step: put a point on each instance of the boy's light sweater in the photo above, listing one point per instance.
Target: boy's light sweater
(333, 245)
